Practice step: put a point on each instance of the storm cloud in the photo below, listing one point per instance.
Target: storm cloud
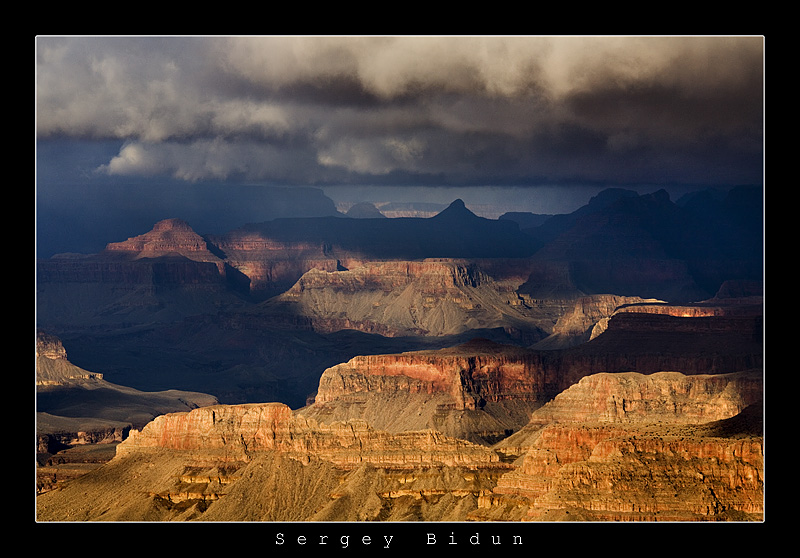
(410, 110)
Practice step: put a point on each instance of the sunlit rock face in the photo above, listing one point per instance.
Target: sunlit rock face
(167, 237)
(50, 347)
(472, 374)
(52, 366)
(603, 472)
(231, 463)
(261, 463)
(238, 432)
(430, 297)
(662, 397)
(479, 391)
(489, 390)
(632, 447)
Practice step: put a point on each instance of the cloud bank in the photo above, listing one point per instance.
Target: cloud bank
(411, 110)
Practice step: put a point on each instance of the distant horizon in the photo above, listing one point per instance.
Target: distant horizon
(492, 201)
(84, 224)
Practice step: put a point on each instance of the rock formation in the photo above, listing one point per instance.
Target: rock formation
(235, 432)
(163, 275)
(627, 447)
(264, 462)
(93, 214)
(620, 243)
(578, 323)
(75, 406)
(364, 210)
(52, 366)
(665, 479)
(61, 459)
(648, 246)
(483, 391)
(167, 237)
(603, 472)
(744, 307)
(480, 391)
(631, 397)
(272, 253)
(77, 409)
(430, 298)
(207, 459)
(631, 393)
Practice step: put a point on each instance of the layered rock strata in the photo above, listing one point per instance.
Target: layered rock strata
(72, 463)
(58, 433)
(167, 237)
(634, 398)
(163, 275)
(75, 406)
(653, 342)
(480, 391)
(643, 477)
(272, 265)
(578, 322)
(264, 462)
(484, 391)
(52, 365)
(629, 447)
(260, 462)
(602, 472)
(432, 297)
(171, 253)
(264, 251)
(236, 432)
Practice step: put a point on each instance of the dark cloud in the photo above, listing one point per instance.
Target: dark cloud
(304, 110)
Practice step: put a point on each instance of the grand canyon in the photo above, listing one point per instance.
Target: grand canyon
(411, 293)
(602, 365)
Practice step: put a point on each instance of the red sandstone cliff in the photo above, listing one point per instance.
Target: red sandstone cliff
(237, 432)
(483, 391)
(264, 462)
(170, 236)
(662, 397)
(170, 254)
(602, 472)
(633, 447)
(480, 391)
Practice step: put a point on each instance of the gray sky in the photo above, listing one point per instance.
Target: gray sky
(378, 111)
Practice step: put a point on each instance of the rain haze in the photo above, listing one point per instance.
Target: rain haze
(130, 128)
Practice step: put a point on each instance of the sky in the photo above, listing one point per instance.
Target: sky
(551, 114)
